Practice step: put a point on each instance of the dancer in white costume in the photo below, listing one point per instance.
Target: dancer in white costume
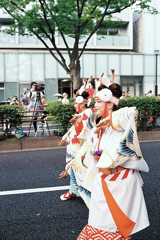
(99, 82)
(82, 123)
(117, 208)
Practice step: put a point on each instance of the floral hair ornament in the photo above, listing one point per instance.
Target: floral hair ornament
(80, 100)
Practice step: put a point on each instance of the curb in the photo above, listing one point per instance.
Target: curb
(30, 144)
(44, 143)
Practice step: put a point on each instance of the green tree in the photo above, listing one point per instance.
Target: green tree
(74, 18)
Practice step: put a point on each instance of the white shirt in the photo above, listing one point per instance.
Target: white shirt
(65, 101)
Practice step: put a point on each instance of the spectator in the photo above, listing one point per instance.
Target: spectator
(128, 94)
(14, 101)
(35, 103)
(8, 99)
(123, 95)
(158, 96)
(24, 103)
(65, 100)
(150, 93)
(44, 101)
(59, 99)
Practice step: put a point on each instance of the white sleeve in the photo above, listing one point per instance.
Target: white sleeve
(120, 118)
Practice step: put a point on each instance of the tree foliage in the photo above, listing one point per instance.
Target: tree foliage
(75, 18)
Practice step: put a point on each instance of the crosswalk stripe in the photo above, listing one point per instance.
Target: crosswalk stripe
(34, 190)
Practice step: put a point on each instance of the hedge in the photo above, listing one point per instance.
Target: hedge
(10, 116)
(62, 113)
(147, 107)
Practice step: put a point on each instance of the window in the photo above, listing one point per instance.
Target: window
(113, 31)
(1, 85)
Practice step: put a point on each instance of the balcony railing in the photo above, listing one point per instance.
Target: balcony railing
(6, 38)
(113, 40)
(101, 40)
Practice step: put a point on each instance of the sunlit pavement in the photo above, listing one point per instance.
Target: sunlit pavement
(40, 214)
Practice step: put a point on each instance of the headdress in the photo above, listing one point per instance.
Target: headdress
(105, 95)
(79, 100)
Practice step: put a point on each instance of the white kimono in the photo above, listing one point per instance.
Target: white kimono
(120, 147)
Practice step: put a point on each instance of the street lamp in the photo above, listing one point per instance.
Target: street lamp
(156, 52)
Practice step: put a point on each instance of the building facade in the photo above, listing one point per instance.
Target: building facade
(129, 49)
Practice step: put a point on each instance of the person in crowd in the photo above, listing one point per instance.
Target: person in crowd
(20, 100)
(44, 100)
(45, 104)
(65, 100)
(128, 94)
(158, 95)
(123, 95)
(59, 98)
(14, 101)
(8, 99)
(117, 207)
(35, 104)
(150, 93)
(82, 123)
(24, 103)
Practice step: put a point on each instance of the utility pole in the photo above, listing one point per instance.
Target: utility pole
(156, 52)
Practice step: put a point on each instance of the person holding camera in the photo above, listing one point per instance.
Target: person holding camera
(34, 95)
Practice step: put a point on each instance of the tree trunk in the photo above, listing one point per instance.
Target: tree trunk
(75, 75)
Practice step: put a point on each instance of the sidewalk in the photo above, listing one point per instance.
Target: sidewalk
(32, 143)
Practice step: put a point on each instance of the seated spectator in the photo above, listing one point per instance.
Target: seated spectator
(14, 101)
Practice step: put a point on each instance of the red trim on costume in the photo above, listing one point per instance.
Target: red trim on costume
(100, 137)
(85, 117)
(78, 126)
(104, 176)
(90, 232)
(133, 171)
(90, 91)
(85, 101)
(78, 108)
(123, 223)
(75, 140)
(115, 176)
(92, 110)
(111, 122)
(105, 110)
(125, 174)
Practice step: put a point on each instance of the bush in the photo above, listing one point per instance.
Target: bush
(62, 115)
(11, 117)
(147, 107)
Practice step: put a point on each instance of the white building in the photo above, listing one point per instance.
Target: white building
(129, 49)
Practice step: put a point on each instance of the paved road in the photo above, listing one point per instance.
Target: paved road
(42, 215)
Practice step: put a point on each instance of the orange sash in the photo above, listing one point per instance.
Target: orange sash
(123, 223)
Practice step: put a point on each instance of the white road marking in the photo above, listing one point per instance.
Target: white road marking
(34, 190)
